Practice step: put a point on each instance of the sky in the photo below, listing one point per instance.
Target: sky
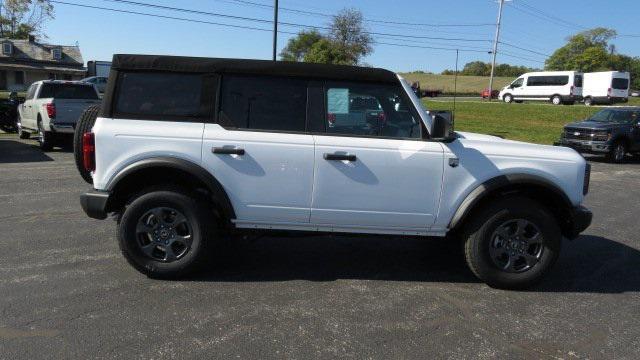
(533, 29)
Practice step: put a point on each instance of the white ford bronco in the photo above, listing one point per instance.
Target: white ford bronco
(188, 152)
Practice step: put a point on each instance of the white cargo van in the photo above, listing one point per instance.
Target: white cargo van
(559, 87)
(606, 87)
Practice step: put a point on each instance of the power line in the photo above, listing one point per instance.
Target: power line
(199, 12)
(237, 26)
(524, 49)
(550, 16)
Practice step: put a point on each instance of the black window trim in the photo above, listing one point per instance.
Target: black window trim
(205, 102)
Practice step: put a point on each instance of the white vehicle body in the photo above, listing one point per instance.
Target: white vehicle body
(606, 86)
(55, 114)
(186, 146)
(556, 86)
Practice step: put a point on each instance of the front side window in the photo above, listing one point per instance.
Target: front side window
(31, 92)
(160, 95)
(263, 103)
(370, 110)
(620, 84)
(518, 83)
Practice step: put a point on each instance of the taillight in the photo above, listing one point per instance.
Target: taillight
(51, 110)
(89, 151)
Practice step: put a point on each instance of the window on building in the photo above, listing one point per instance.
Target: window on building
(19, 78)
(7, 48)
(57, 54)
(264, 103)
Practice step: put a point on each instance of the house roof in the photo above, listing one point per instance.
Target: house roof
(258, 67)
(25, 51)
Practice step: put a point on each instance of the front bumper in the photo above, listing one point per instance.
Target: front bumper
(585, 146)
(579, 220)
(94, 203)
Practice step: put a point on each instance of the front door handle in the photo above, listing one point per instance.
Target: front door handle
(227, 151)
(339, 157)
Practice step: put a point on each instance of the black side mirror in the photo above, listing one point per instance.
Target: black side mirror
(442, 125)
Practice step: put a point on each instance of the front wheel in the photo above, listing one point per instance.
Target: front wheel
(508, 98)
(617, 153)
(165, 233)
(22, 134)
(512, 243)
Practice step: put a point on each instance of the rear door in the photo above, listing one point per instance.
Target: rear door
(619, 87)
(377, 173)
(259, 150)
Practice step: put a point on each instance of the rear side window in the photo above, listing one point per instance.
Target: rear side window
(558, 80)
(620, 83)
(67, 91)
(162, 96)
(263, 103)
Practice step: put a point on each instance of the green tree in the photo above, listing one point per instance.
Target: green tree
(21, 18)
(346, 43)
(585, 51)
(297, 47)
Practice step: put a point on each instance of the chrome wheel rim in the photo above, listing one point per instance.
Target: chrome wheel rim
(508, 99)
(164, 234)
(556, 100)
(40, 134)
(516, 246)
(619, 153)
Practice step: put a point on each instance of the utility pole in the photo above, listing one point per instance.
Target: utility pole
(495, 47)
(275, 29)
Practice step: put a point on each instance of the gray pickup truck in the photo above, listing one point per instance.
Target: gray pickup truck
(51, 109)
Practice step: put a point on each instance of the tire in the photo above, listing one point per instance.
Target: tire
(84, 125)
(617, 153)
(45, 138)
(556, 100)
(588, 101)
(145, 250)
(482, 237)
(21, 133)
(507, 98)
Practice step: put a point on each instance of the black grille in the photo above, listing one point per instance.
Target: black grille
(587, 179)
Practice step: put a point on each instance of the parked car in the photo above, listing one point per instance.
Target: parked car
(613, 132)
(99, 81)
(558, 87)
(494, 94)
(189, 152)
(606, 87)
(9, 112)
(51, 109)
(635, 93)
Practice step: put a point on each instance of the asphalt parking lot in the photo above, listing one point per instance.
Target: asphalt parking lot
(66, 292)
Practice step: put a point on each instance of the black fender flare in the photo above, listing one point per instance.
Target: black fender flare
(503, 181)
(213, 185)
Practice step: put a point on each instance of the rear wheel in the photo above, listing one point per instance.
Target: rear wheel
(45, 138)
(588, 101)
(556, 100)
(166, 233)
(512, 243)
(84, 125)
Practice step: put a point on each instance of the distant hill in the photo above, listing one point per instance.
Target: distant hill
(466, 84)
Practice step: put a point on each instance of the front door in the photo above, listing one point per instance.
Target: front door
(259, 150)
(28, 117)
(373, 170)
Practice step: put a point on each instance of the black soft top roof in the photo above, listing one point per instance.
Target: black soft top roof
(244, 66)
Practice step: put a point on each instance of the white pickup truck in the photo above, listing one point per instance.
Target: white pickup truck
(51, 109)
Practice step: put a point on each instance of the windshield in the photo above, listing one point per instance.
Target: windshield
(616, 116)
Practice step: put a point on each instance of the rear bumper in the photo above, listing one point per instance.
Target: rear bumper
(62, 128)
(94, 203)
(579, 220)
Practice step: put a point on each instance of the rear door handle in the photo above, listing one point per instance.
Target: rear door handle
(227, 151)
(339, 157)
